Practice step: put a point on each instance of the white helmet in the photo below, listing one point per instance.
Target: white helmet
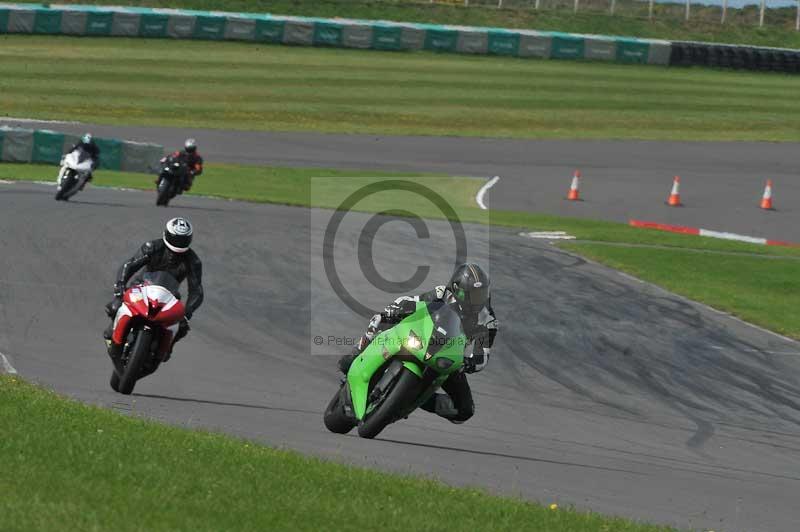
(190, 145)
(178, 235)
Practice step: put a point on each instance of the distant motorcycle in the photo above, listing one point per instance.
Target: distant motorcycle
(75, 169)
(147, 322)
(174, 172)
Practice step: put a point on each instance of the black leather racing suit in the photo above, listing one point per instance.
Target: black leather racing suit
(480, 327)
(155, 256)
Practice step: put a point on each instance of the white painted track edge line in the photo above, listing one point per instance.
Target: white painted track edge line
(6, 366)
(482, 192)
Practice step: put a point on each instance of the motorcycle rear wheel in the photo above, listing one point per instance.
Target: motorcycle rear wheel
(397, 397)
(140, 351)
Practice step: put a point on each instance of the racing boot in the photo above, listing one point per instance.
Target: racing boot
(442, 405)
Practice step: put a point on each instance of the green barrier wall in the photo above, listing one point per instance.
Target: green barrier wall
(212, 28)
(387, 37)
(327, 34)
(303, 31)
(152, 25)
(110, 153)
(47, 21)
(269, 31)
(45, 146)
(441, 40)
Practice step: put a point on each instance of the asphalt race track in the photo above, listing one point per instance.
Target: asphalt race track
(604, 392)
(722, 182)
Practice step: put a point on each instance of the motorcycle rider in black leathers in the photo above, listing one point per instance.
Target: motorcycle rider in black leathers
(170, 254)
(468, 293)
(193, 160)
(88, 144)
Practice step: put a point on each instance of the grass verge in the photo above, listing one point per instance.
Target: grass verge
(748, 280)
(630, 17)
(327, 188)
(68, 466)
(757, 289)
(257, 87)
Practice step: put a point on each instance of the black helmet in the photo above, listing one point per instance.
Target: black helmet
(190, 145)
(470, 286)
(178, 235)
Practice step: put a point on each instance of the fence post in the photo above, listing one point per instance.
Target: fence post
(688, 8)
(613, 5)
(499, 4)
(576, 5)
(797, 20)
(650, 16)
(761, 14)
(466, 3)
(537, 5)
(724, 10)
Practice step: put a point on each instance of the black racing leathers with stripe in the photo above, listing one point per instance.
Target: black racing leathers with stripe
(155, 256)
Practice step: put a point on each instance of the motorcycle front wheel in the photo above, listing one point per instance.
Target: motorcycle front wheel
(396, 398)
(163, 192)
(139, 353)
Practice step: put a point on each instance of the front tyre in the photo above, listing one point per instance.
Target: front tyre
(114, 382)
(139, 353)
(397, 397)
(163, 192)
(335, 418)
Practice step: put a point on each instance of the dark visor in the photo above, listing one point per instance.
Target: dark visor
(476, 297)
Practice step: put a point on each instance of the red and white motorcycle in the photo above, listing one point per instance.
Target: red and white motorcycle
(146, 323)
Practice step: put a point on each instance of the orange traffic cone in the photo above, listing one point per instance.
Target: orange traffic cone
(574, 193)
(766, 200)
(675, 196)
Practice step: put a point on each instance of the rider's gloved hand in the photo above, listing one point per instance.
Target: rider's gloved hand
(183, 328)
(392, 312)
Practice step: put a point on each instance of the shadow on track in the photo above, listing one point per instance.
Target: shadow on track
(223, 403)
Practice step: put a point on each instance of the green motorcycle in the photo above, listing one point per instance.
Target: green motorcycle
(400, 370)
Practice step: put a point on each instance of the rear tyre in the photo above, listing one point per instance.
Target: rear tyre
(335, 418)
(139, 353)
(397, 397)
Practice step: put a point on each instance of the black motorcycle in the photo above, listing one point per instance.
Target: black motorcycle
(171, 180)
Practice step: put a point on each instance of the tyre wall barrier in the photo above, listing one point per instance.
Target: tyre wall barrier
(44, 146)
(689, 53)
(62, 19)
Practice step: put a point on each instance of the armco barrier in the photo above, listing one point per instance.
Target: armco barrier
(60, 19)
(44, 146)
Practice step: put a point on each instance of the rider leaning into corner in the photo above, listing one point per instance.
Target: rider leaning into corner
(88, 144)
(169, 254)
(467, 293)
(193, 161)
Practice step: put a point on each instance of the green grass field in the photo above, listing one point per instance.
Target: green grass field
(257, 87)
(630, 20)
(67, 466)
